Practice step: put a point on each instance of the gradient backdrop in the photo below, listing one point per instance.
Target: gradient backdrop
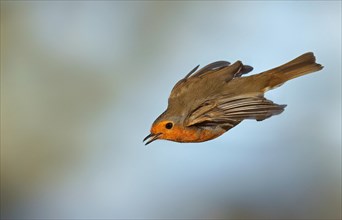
(81, 83)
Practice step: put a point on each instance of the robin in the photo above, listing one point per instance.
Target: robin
(208, 102)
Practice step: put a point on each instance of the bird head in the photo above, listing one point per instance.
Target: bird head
(166, 127)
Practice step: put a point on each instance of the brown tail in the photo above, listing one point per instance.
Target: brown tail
(300, 66)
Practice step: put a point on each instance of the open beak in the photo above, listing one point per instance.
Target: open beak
(151, 137)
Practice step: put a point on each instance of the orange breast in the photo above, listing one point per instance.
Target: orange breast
(181, 134)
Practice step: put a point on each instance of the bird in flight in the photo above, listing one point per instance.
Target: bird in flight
(208, 102)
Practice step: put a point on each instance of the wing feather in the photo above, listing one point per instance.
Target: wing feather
(211, 67)
(232, 110)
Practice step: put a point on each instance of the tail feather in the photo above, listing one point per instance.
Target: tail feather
(300, 66)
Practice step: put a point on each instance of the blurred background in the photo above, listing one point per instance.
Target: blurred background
(81, 83)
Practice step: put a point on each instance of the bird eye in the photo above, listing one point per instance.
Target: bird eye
(168, 125)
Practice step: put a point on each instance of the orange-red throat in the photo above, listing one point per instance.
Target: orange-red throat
(167, 130)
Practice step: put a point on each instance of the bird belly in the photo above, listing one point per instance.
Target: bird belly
(196, 135)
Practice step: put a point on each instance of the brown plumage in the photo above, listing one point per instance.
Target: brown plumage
(207, 103)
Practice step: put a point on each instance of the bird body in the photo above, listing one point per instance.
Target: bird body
(208, 102)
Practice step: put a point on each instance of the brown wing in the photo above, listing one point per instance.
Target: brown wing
(229, 111)
(215, 74)
(212, 67)
(238, 71)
